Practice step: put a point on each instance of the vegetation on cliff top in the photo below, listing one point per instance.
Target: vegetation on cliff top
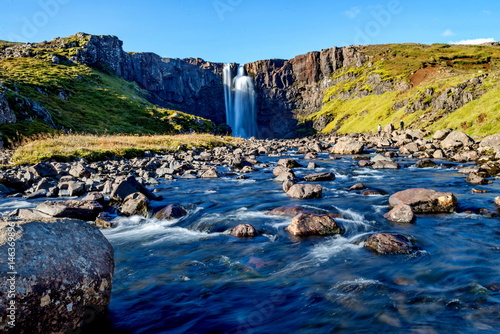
(80, 99)
(95, 148)
(405, 81)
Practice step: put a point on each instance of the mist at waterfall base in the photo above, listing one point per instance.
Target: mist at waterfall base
(239, 97)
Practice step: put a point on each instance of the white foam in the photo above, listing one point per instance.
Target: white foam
(332, 247)
(380, 208)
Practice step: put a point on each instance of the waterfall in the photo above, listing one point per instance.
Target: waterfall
(239, 96)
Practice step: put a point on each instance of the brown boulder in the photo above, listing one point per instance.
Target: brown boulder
(281, 169)
(316, 177)
(358, 186)
(244, 231)
(305, 191)
(388, 243)
(425, 200)
(170, 212)
(311, 224)
(401, 213)
(474, 178)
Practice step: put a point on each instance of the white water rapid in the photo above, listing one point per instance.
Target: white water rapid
(240, 96)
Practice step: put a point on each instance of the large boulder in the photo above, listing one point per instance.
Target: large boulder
(425, 200)
(401, 213)
(389, 243)
(441, 134)
(64, 269)
(456, 139)
(79, 171)
(305, 191)
(491, 142)
(78, 209)
(347, 146)
(385, 164)
(313, 224)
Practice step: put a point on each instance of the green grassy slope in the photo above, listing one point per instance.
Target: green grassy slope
(417, 73)
(79, 98)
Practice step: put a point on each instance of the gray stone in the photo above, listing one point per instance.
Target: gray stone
(85, 210)
(401, 213)
(305, 191)
(129, 185)
(135, 204)
(64, 274)
(43, 169)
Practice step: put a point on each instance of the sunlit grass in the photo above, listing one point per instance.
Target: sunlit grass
(94, 148)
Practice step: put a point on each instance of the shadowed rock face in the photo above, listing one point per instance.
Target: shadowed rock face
(64, 273)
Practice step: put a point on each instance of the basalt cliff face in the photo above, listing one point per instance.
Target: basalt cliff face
(284, 87)
(189, 85)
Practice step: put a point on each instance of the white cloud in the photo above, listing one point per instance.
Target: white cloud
(353, 12)
(474, 41)
(447, 33)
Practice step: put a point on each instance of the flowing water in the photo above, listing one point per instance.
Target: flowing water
(240, 98)
(191, 276)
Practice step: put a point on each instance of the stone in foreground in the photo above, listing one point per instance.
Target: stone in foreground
(305, 191)
(401, 213)
(425, 200)
(389, 243)
(244, 231)
(64, 273)
(312, 224)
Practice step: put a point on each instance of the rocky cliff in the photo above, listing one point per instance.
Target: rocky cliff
(425, 86)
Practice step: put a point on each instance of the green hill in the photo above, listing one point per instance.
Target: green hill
(47, 91)
(426, 86)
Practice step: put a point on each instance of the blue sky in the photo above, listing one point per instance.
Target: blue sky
(247, 30)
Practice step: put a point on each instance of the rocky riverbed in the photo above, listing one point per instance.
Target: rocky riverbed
(322, 196)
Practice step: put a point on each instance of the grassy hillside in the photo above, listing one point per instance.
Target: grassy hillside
(409, 82)
(79, 98)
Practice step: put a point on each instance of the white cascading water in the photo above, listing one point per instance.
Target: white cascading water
(240, 96)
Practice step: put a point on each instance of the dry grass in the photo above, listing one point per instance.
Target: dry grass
(94, 148)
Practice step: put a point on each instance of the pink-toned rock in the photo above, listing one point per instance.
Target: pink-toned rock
(425, 200)
(388, 243)
(311, 224)
(401, 213)
(244, 231)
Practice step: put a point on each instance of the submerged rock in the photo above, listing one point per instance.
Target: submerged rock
(425, 163)
(312, 224)
(425, 200)
(244, 231)
(389, 243)
(305, 191)
(64, 273)
(474, 178)
(401, 213)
